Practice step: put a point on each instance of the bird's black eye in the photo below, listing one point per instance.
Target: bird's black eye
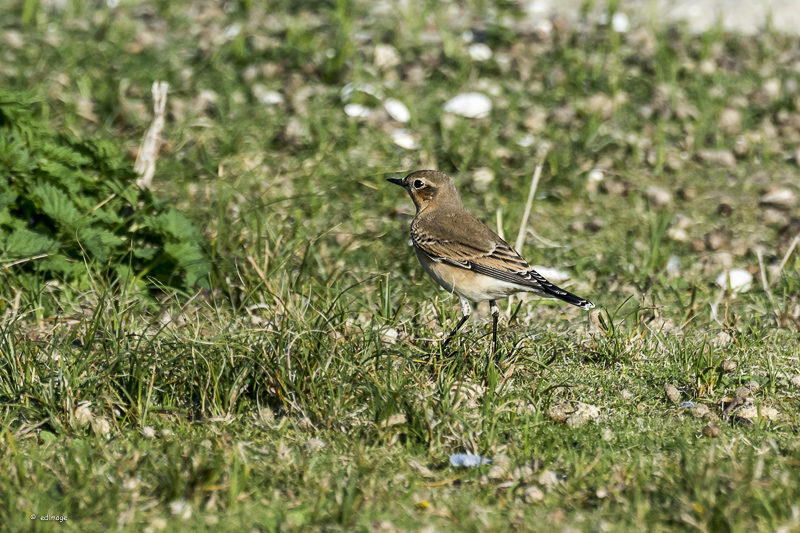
(418, 184)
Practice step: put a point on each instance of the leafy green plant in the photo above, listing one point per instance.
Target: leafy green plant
(70, 209)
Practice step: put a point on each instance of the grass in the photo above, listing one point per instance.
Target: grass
(305, 391)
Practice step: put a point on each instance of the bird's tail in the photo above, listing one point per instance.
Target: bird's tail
(548, 289)
(568, 297)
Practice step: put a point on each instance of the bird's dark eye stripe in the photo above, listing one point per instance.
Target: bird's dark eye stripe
(418, 184)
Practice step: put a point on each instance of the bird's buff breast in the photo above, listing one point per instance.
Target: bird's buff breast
(466, 283)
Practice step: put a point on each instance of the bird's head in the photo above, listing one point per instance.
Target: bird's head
(429, 189)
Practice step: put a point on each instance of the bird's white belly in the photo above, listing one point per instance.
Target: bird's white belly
(466, 283)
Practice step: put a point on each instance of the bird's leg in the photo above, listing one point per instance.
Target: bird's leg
(495, 316)
(466, 310)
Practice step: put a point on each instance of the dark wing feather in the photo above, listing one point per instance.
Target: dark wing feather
(471, 245)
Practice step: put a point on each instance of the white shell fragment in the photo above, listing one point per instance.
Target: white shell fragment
(390, 336)
(232, 31)
(386, 56)
(470, 105)
(404, 139)
(267, 97)
(767, 413)
(596, 175)
(397, 110)
(620, 22)
(673, 265)
(479, 52)
(737, 280)
(526, 140)
(482, 178)
(779, 197)
(357, 111)
(366, 88)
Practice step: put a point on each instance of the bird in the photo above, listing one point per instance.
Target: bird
(464, 256)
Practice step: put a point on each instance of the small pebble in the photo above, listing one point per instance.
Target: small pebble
(620, 22)
(596, 175)
(728, 366)
(397, 110)
(795, 381)
(673, 394)
(14, 39)
(496, 473)
(522, 473)
(753, 386)
(716, 240)
(482, 178)
(730, 120)
(479, 52)
(780, 197)
(700, 410)
(559, 412)
(314, 444)
(548, 480)
(357, 111)
(386, 56)
(533, 494)
(526, 140)
(659, 195)
(83, 414)
(717, 157)
(267, 97)
(673, 265)
(626, 395)
(723, 338)
(742, 392)
(737, 280)
(764, 412)
(772, 87)
(405, 139)
(366, 88)
(712, 417)
(711, 431)
(470, 105)
(584, 412)
(574, 414)
(502, 461)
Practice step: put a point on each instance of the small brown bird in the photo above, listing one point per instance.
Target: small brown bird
(466, 257)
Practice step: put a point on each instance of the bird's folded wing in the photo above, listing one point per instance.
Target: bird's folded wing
(475, 247)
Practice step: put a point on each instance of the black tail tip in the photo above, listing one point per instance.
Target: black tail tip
(576, 301)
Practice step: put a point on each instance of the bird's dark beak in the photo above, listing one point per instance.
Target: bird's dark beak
(396, 181)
